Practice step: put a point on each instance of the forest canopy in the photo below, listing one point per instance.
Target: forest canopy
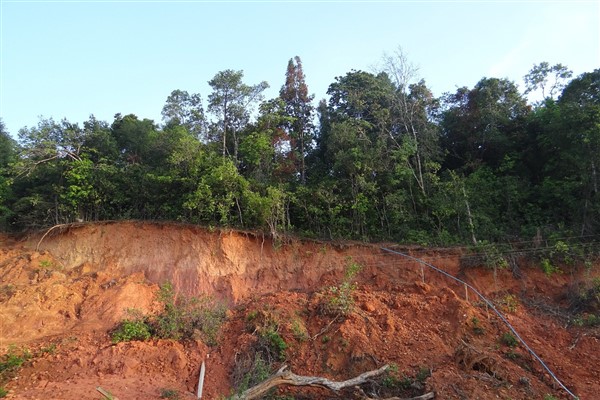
(381, 159)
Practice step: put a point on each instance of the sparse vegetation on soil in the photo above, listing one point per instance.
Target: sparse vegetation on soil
(110, 319)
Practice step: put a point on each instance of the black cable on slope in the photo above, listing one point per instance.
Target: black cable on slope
(489, 303)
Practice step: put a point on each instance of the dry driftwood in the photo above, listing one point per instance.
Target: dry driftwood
(286, 377)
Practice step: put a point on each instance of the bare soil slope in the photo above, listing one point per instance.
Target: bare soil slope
(60, 297)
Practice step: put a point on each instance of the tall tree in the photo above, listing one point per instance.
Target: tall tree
(181, 108)
(550, 80)
(484, 124)
(413, 132)
(298, 105)
(230, 102)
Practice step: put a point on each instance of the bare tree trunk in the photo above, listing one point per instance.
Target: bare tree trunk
(469, 216)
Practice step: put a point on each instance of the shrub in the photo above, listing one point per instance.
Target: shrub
(3, 392)
(273, 342)
(12, 361)
(187, 317)
(477, 329)
(509, 340)
(169, 394)
(181, 318)
(338, 300)
(128, 330)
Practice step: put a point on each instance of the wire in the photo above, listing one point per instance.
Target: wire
(489, 304)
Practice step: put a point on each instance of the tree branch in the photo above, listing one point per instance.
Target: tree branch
(285, 377)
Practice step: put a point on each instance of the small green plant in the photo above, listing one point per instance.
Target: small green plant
(549, 397)
(7, 291)
(186, 317)
(134, 329)
(12, 361)
(46, 264)
(181, 318)
(50, 349)
(274, 342)
(509, 340)
(169, 394)
(477, 329)
(252, 315)
(299, 329)
(338, 300)
(259, 371)
(423, 374)
(509, 303)
(325, 339)
(590, 320)
(548, 268)
(391, 379)
(3, 392)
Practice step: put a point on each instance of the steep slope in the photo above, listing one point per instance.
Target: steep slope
(61, 295)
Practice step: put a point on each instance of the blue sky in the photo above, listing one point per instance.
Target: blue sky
(76, 58)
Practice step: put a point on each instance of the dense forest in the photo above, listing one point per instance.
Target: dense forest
(381, 159)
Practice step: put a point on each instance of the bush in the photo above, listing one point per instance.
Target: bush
(338, 300)
(11, 362)
(181, 318)
(509, 340)
(128, 330)
(188, 317)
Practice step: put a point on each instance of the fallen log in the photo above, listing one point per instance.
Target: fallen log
(285, 377)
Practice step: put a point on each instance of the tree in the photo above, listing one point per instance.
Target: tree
(543, 76)
(8, 153)
(483, 125)
(413, 131)
(181, 108)
(230, 101)
(298, 106)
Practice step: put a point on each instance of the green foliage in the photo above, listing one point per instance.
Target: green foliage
(275, 344)
(477, 329)
(387, 161)
(589, 320)
(509, 303)
(187, 317)
(259, 371)
(393, 382)
(548, 268)
(12, 361)
(299, 329)
(338, 300)
(509, 340)
(3, 392)
(181, 318)
(169, 394)
(129, 330)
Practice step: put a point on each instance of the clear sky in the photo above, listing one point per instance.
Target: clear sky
(75, 58)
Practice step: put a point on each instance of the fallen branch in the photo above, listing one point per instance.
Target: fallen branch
(106, 394)
(426, 396)
(286, 377)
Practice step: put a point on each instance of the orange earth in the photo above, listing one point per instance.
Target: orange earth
(61, 296)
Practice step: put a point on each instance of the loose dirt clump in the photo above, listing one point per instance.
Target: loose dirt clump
(60, 300)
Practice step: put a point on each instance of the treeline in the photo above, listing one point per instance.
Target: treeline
(381, 159)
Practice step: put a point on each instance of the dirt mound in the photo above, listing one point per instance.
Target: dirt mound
(60, 297)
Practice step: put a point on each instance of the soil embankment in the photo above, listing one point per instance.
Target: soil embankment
(68, 291)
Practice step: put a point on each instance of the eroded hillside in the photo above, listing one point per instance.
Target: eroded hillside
(61, 296)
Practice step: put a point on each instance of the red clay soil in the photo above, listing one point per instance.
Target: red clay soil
(61, 296)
